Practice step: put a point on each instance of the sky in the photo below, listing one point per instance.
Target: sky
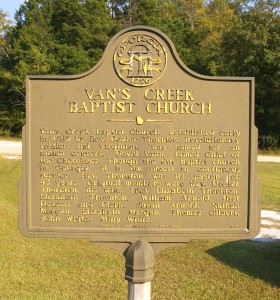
(10, 6)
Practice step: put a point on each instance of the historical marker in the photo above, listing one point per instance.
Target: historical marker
(140, 148)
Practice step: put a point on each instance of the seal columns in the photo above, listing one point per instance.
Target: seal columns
(139, 270)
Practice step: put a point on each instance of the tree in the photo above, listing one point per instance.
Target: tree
(30, 41)
(56, 37)
(135, 12)
(6, 61)
(214, 21)
(11, 120)
(84, 26)
(252, 48)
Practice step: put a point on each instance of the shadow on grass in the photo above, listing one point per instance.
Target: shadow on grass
(259, 260)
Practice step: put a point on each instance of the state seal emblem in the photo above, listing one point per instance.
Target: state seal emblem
(140, 60)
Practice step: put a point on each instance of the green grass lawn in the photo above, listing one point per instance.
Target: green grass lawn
(269, 175)
(50, 269)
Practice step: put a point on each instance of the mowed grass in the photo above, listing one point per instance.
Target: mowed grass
(269, 175)
(32, 268)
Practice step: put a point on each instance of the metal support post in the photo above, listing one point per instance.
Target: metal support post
(139, 270)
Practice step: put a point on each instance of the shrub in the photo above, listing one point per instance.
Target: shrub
(11, 123)
(269, 142)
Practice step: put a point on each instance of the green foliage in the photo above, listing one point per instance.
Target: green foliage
(252, 48)
(11, 123)
(269, 142)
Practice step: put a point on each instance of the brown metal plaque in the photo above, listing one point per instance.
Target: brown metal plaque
(140, 147)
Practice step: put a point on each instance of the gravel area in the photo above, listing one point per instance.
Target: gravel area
(269, 158)
(270, 226)
(11, 149)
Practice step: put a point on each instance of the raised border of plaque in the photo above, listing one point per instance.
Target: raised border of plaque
(140, 84)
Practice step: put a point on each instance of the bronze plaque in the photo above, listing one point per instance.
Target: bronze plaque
(140, 147)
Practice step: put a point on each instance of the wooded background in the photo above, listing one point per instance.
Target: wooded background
(214, 37)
